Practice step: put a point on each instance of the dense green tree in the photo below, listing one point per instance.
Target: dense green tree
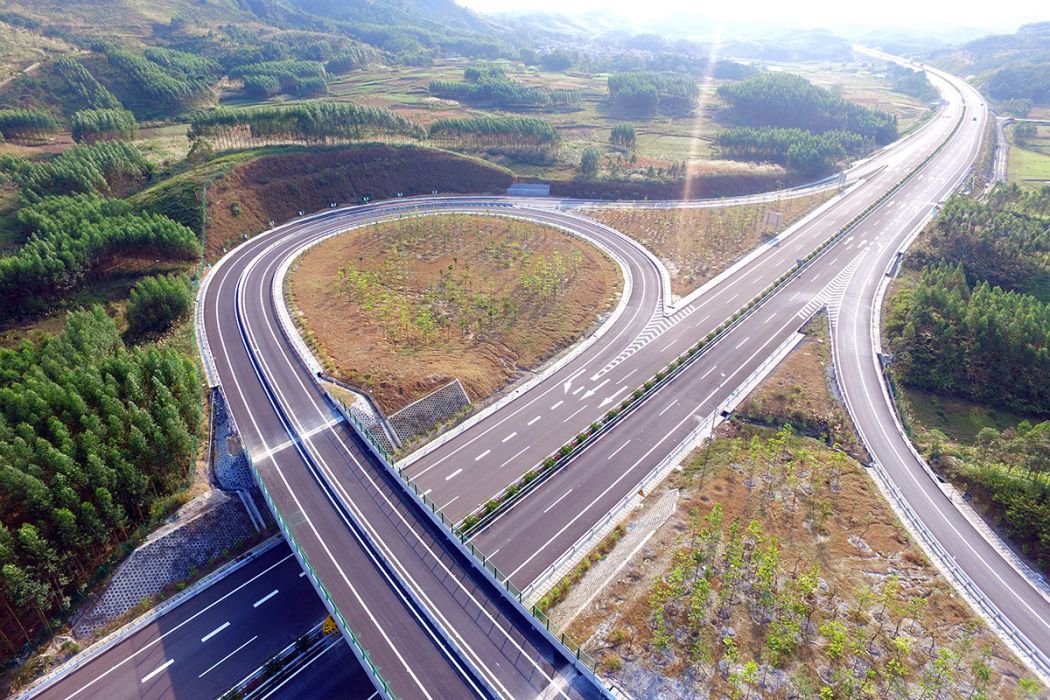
(169, 90)
(91, 125)
(91, 434)
(589, 161)
(1003, 239)
(790, 101)
(26, 124)
(316, 122)
(87, 92)
(104, 167)
(293, 77)
(649, 92)
(491, 131)
(1024, 132)
(156, 303)
(803, 151)
(623, 135)
(977, 342)
(70, 236)
(489, 85)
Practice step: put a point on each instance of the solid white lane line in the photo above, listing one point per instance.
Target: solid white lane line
(176, 627)
(557, 501)
(624, 377)
(247, 340)
(617, 450)
(668, 407)
(157, 670)
(265, 598)
(533, 420)
(509, 437)
(456, 473)
(557, 404)
(220, 628)
(302, 668)
(481, 456)
(574, 414)
(516, 454)
(219, 662)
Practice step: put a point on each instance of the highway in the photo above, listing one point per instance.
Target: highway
(397, 580)
(216, 636)
(983, 569)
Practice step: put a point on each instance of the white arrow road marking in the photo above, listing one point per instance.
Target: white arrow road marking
(592, 392)
(611, 397)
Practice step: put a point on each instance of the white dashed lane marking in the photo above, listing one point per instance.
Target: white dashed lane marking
(157, 670)
(265, 598)
(218, 629)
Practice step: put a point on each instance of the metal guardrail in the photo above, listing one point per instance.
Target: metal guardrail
(583, 661)
(117, 636)
(359, 650)
(660, 471)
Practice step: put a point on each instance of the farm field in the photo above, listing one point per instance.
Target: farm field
(697, 244)
(402, 308)
(857, 82)
(661, 139)
(1029, 165)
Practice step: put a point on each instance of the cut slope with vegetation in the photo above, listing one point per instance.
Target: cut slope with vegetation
(276, 186)
(92, 437)
(958, 338)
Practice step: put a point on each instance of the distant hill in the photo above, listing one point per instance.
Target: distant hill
(421, 27)
(1008, 66)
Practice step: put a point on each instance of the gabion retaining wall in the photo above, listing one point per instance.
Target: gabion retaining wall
(419, 417)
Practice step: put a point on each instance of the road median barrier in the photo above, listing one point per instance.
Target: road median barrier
(485, 514)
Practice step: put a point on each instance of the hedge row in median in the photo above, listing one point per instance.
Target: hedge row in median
(534, 477)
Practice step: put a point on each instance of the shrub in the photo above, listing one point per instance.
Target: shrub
(157, 303)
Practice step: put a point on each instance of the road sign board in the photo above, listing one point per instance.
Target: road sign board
(329, 626)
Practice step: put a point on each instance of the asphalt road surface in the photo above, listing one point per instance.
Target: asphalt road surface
(343, 510)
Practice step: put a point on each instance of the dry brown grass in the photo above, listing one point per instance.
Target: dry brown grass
(488, 256)
(798, 393)
(822, 513)
(828, 517)
(697, 244)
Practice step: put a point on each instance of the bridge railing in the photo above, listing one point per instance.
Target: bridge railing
(356, 646)
(584, 662)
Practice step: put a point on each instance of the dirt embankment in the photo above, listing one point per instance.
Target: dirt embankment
(697, 244)
(402, 308)
(276, 187)
(703, 186)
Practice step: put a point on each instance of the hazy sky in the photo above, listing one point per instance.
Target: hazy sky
(931, 13)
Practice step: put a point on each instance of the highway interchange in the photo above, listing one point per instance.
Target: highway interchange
(409, 594)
